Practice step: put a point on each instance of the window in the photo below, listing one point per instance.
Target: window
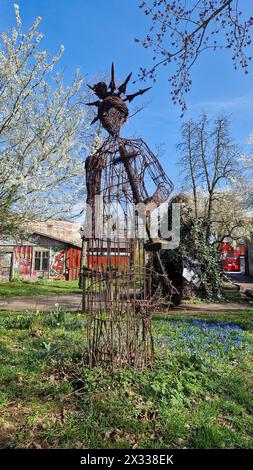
(41, 261)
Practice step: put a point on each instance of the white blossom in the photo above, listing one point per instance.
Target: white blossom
(44, 135)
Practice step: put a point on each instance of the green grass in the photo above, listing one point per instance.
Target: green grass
(49, 398)
(234, 296)
(31, 288)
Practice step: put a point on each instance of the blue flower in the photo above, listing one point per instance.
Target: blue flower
(202, 338)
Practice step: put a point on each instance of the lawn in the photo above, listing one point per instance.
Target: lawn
(198, 394)
(31, 288)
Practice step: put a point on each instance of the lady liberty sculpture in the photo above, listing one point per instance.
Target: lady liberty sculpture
(122, 175)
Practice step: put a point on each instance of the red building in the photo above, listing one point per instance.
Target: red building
(119, 259)
(40, 258)
(52, 251)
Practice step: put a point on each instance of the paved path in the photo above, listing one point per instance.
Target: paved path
(43, 303)
(73, 302)
(242, 281)
(213, 307)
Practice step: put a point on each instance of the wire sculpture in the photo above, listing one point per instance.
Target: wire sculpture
(118, 293)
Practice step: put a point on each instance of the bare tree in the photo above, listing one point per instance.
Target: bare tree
(189, 160)
(182, 29)
(210, 163)
(231, 218)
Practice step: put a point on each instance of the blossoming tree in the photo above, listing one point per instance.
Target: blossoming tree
(44, 134)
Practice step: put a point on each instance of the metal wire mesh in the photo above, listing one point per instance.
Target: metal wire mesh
(117, 279)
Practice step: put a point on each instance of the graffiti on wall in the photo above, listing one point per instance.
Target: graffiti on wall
(57, 264)
(22, 260)
(24, 265)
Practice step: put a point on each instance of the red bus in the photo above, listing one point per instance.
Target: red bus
(230, 256)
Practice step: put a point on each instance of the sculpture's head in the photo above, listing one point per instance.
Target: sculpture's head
(100, 89)
(111, 97)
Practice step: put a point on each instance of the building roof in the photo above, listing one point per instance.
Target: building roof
(59, 230)
(67, 242)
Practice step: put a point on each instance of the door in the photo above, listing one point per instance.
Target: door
(5, 266)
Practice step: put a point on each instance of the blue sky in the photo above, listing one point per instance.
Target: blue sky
(95, 32)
